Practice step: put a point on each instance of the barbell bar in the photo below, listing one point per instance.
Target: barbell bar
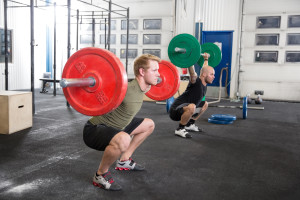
(241, 107)
(82, 82)
(77, 82)
(245, 107)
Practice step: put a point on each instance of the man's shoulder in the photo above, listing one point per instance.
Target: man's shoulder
(133, 84)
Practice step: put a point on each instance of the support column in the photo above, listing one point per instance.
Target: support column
(32, 43)
(6, 44)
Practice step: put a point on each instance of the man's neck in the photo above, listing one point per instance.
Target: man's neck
(143, 85)
(203, 80)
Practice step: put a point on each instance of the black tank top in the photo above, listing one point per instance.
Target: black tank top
(194, 93)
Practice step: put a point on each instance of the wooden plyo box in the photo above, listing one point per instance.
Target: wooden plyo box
(15, 111)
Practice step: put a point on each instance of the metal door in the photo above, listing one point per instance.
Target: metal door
(224, 40)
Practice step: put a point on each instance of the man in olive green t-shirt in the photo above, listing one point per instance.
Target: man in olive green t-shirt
(119, 133)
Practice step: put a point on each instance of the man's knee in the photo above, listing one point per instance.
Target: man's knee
(150, 125)
(121, 141)
(191, 108)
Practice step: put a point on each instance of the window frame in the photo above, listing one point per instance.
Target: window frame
(123, 55)
(258, 51)
(113, 38)
(113, 25)
(151, 20)
(266, 35)
(287, 39)
(289, 19)
(145, 52)
(129, 42)
(258, 18)
(298, 52)
(124, 24)
(9, 47)
(149, 39)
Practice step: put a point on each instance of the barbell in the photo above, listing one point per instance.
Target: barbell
(245, 107)
(94, 81)
(215, 54)
(184, 51)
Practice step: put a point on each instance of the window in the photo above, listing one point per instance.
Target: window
(133, 24)
(266, 56)
(132, 53)
(132, 39)
(268, 22)
(113, 51)
(292, 56)
(112, 39)
(294, 21)
(112, 25)
(293, 39)
(155, 52)
(86, 39)
(150, 24)
(2, 45)
(151, 39)
(267, 39)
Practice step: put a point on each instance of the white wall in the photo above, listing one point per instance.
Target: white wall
(19, 22)
(147, 9)
(185, 17)
(19, 71)
(280, 80)
(216, 15)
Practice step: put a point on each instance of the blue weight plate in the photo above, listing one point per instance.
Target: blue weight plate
(169, 103)
(214, 121)
(224, 117)
(245, 108)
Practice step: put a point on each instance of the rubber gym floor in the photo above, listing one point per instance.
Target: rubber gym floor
(254, 158)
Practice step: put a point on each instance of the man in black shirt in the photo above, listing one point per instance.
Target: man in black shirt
(188, 107)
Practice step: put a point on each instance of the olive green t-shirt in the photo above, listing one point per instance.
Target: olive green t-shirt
(122, 115)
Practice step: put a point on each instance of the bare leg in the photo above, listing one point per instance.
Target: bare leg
(188, 112)
(117, 145)
(139, 135)
(203, 109)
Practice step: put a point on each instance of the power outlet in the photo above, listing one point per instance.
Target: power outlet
(257, 92)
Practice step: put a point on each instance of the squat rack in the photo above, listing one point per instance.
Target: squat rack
(92, 15)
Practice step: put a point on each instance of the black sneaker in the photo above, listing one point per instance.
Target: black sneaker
(106, 182)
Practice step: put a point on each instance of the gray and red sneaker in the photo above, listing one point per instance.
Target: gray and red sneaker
(106, 182)
(128, 165)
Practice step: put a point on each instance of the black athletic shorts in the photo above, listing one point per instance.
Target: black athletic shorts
(175, 113)
(99, 136)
